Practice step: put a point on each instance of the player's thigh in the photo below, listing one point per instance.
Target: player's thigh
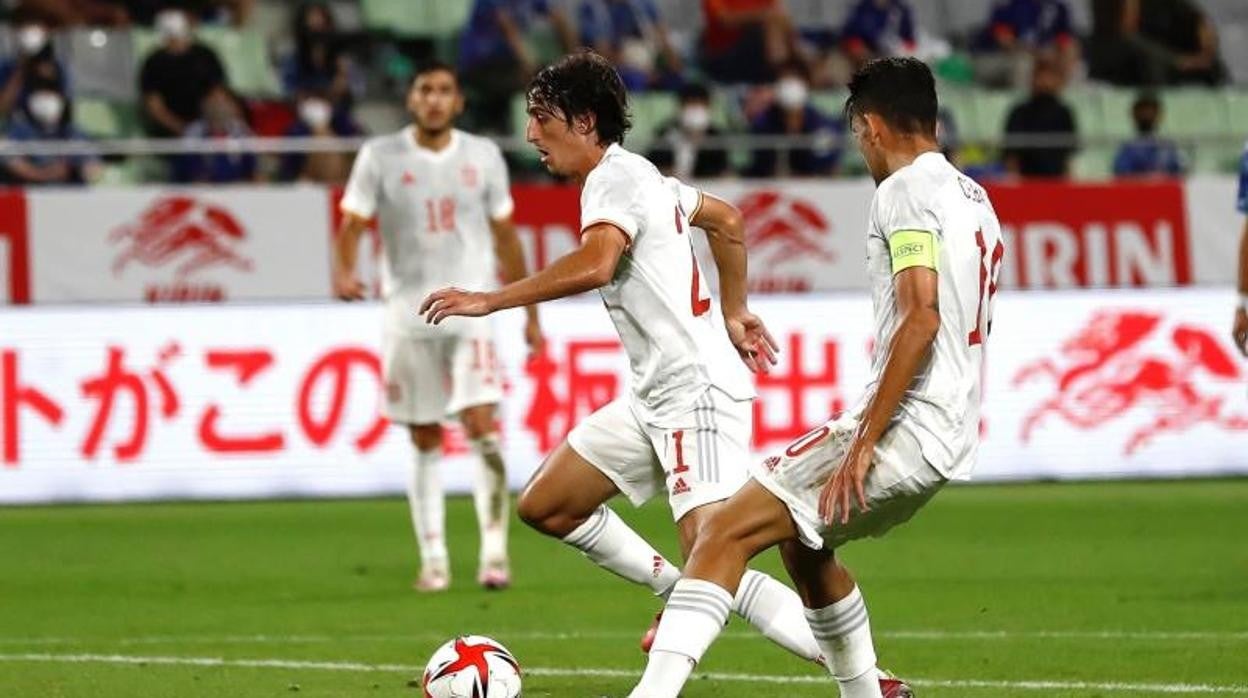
(615, 443)
(750, 521)
(706, 453)
(476, 377)
(415, 378)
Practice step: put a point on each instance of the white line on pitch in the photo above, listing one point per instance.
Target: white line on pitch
(537, 635)
(1171, 688)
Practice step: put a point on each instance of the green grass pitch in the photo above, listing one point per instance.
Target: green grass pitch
(1110, 589)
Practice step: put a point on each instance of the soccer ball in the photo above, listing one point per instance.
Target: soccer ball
(472, 666)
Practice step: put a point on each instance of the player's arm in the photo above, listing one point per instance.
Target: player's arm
(347, 285)
(590, 266)
(914, 255)
(1241, 312)
(510, 254)
(725, 232)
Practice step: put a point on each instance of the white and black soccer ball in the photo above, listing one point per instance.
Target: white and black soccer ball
(472, 666)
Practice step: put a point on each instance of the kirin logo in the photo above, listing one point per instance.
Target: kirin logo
(783, 229)
(179, 230)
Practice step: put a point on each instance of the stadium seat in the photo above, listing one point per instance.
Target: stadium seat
(101, 118)
(991, 109)
(415, 18)
(99, 63)
(379, 117)
(245, 55)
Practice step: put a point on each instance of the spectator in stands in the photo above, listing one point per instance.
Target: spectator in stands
(176, 78)
(1042, 116)
(1148, 154)
(496, 59)
(77, 13)
(678, 148)
(1143, 42)
(632, 35)
(1016, 30)
(877, 28)
(1188, 33)
(46, 115)
(320, 62)
(316, 119)
(792, 115)
(34, 64)
(745, 41)
(222, 121)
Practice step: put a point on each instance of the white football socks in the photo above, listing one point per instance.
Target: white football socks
(491, 499)
(424, 497)
(777, 612)
(695, 613)
(608, 541)
(844, 634)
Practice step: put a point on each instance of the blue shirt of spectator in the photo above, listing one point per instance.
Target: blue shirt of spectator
(215, 168)
(24, 129)
(1031, 23)
(879, 26)
(483, 40)
(821, 158)
(1148, 155)
(1242, 198)
(614, 21)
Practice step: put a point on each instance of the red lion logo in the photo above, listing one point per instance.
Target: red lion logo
(788, 228)
(1106, 373)
(179, 229)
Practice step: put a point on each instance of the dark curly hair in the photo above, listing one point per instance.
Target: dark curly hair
(584, 83)
(901, 91)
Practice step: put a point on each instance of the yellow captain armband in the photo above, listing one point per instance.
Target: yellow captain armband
(913, 248)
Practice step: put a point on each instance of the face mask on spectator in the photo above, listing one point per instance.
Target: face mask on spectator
(173, 25)
(791, 93)
(315, 113)
(32, 38)
(47, 107)
(695, 117)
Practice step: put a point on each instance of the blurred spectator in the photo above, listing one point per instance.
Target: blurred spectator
(877, 28)
(316, 119)
(746, 40)
(320, 62)
(1147, 153)
(46, 115)
(1043, 116)
(632, 35)
(678, 149)
(1015, 31)
(222, 121)
(495, 59)
(792, 115)
(176, 77)
(947, 135)
(1144, 42)
(33, 66)
(76, 13)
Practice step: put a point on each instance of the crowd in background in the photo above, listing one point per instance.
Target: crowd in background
(754, 45)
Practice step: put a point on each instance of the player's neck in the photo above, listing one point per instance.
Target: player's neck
(907, 151)
(593, 155)
(433, 140)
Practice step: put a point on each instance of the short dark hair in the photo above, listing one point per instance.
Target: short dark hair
(1145, 100)
(694, 92)
(434, 65)
(584, 83)
(901, 90)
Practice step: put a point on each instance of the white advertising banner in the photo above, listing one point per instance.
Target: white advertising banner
(130, 403)
(1216, 227)
(178, 245)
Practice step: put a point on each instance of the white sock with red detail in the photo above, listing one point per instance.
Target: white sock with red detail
(696, 612)
(777, 612)
(608, 541)
(844, 634)
(425, 499)
(491, 499)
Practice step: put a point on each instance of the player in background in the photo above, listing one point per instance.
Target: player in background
(1239, 330)
(933, 252)
(685, 427)
(444, 209)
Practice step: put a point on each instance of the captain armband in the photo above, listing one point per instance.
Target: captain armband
(913, 248)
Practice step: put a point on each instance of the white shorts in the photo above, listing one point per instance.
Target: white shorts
(898, 484)
(704, 460)
(429, 378)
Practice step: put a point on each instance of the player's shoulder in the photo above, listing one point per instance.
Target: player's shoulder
(386, 143)
(479, 144)
(619, 166)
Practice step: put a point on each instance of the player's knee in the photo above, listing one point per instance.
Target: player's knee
(478, 422)
(543, 513)
(426, 437)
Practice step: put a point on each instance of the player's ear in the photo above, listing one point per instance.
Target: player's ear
(584, 124)
(875, 127)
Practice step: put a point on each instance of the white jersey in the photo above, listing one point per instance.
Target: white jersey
(671, 328)
(434, 210)
(941, 407)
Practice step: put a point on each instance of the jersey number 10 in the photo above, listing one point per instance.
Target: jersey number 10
(988, 269)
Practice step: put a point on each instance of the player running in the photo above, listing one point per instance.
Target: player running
(933, 252)
(444, 209)
(686, 426)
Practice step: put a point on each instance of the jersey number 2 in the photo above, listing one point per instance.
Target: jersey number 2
(698, 304)
(988, 269)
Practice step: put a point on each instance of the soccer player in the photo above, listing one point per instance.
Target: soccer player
(685, 427)
(444, 209)
(933, 252)
(1239, 330)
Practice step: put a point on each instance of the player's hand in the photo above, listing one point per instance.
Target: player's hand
(846, 484)
(533, 337)
(1240, 331)
(753, 342)
(448, 302)
(348, 287)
